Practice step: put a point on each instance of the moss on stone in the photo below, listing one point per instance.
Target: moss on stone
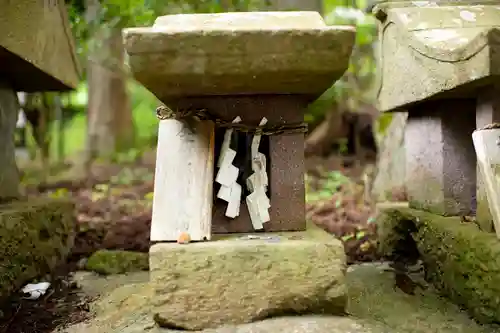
(107, 262)
(233, 281)
(461, 261)
(372, 296)
(35, 236)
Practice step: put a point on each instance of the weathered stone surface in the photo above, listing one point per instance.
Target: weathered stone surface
(9, 174)
(36, 46)
(241, 21)
(374, 304)
(97, 285)
(238, 53)
(372, 296)
(462, 261)
(431, 51)
(303, 324)
(108, 262)
(235, 281)
(440, 157)
(34, 237)
(128, 310)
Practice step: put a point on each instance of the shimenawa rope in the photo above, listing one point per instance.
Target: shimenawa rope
(163, 112)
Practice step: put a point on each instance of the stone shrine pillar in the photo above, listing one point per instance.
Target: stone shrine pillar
(440, 64)
(230, 161)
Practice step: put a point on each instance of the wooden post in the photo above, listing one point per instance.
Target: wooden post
(182, 201)
(487, 145)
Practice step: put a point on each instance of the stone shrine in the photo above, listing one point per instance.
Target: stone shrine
(230, 159)
(440, 63)
(249, 66)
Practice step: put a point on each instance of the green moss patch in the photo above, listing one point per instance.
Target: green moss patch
(461, 261)
(107, 262)
(35, 236)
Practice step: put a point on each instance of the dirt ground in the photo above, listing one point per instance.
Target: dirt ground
(114, 212)
(63, 304)
(114, 206)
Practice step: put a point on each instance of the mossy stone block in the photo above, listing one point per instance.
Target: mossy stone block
(35, 236)
(461, 261)
(235, 281)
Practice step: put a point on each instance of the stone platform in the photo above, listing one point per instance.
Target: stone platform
(374, 306)
(235, 280)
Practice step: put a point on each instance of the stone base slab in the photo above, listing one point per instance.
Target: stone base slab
(233, 281)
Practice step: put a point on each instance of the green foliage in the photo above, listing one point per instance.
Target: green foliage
(77, 98)
(355, 88)
(329, 186)
(128, 176)
(144, 104)
(74, 134)
(129, 156)
(382, 123)
(117, 14)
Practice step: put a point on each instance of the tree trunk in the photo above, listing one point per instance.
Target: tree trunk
(9, 174)
(38, 110)
(109, 119)
(321, 139)
(110, 122)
